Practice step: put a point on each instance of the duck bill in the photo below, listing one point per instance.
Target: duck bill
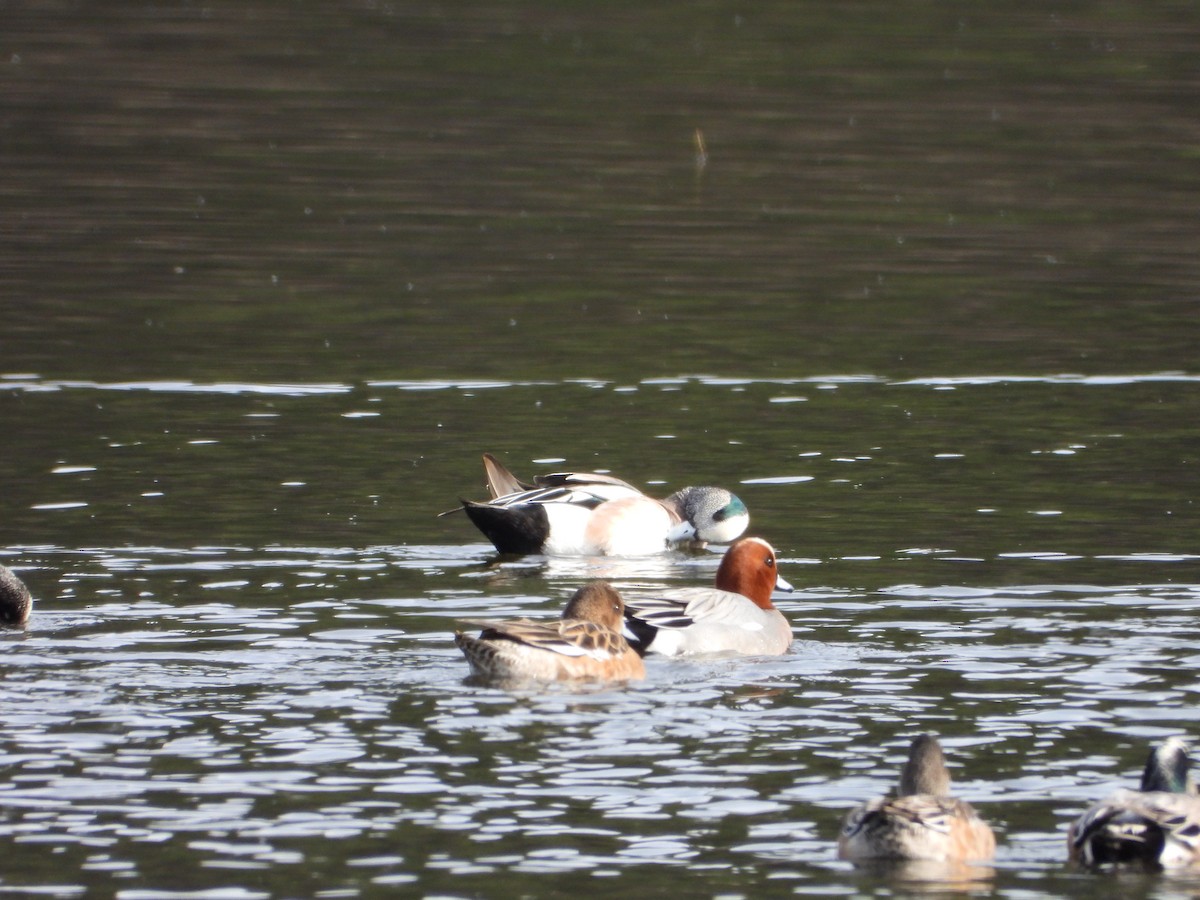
(781, 584)
(681, 531)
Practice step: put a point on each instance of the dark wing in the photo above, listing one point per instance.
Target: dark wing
(1152, 827)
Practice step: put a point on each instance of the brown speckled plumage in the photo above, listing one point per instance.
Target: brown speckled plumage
(586, 643)
(923, 822)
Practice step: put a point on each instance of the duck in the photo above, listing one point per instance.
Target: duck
(15, 600)
(1156, 826)
(586, 643)
(735, 616)
(922, 822)
(592, 514)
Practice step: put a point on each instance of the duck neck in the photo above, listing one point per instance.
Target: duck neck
(925, 772)
(1167, 768)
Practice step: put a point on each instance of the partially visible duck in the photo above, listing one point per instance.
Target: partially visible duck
(588, 514)
(15, 601)
(586, 643)
(922, 822)
(735, 616)
(1157, 826)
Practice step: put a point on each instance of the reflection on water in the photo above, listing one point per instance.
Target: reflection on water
(261, 677)
(271, 282)
(393, 191)
(253, 711)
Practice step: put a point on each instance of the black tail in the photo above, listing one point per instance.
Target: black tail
(518, 529)
(638, 633)
(1124, 838)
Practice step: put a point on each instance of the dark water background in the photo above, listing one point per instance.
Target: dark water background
(273, 275)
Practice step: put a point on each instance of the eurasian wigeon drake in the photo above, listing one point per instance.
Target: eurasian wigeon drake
(588, 514)
(735, 616)
(586, 643)
(15, 601)
(1155, 827)
(922, 822)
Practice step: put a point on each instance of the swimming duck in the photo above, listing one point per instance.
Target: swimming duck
(735, 616)
(586, 643)
(15, 601)
(922, 822)
(589, 514)
(1156, 826)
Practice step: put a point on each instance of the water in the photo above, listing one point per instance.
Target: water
(273, 277)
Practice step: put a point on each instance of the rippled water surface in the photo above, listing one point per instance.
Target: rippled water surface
(273, 717)
(918, 283)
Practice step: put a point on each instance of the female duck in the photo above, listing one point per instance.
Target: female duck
(736, 616)
(1156, 826)
(15, 601)
(586, 643)
(923, 822)
(587, 514)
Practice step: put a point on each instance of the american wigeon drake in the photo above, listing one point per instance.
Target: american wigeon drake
(1157, 826)
(588, 514)
(15, 601)
(586, 643)
(735, 616)
(922, 822)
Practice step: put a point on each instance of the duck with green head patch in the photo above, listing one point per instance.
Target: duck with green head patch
(591, 514)
(1156, 826)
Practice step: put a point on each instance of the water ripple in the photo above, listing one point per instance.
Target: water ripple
(251, 726)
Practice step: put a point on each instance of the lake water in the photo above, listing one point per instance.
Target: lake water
(274, 275)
